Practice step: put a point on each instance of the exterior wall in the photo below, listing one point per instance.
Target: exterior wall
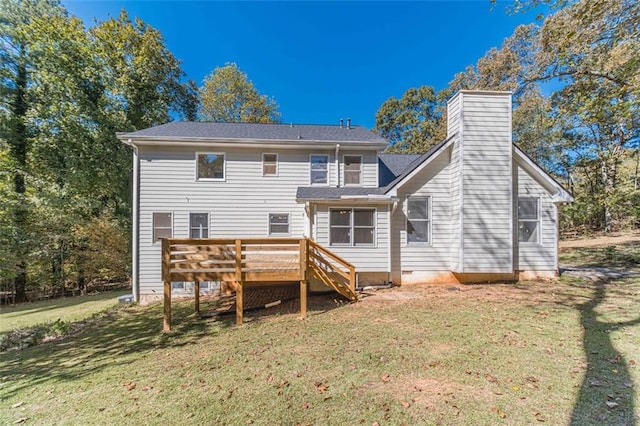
(487, 239)
(542, 256)
(237, 207)
(365, 258)
(455, 184)
(412, 261)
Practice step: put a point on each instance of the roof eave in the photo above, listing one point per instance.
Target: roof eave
(240, 142)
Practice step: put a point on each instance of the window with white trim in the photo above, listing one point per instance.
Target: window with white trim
(278, 223)
(319, 169)
(162, 226)
(210, 166)
(269, 164)
(352, 227)
(199, 225)
(529, 219)
(352, 169)
(418, 220)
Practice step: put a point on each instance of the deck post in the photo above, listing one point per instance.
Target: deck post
(166, 277)
(166, 325)
(239, 289)
(352, 279)
(196, 289)
(303, 299)
(304, 264)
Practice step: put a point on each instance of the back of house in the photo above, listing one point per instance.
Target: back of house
(474, 207)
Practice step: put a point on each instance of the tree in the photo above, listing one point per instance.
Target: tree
(15, 96)
(228, 96)
(413, 123)
(65, 91)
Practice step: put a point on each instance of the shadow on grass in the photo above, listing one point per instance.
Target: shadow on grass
(607, 392)
(121, 337)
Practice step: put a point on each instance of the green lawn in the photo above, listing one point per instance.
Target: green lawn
(562, 352)
(64, 309)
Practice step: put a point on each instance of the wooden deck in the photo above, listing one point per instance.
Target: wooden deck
(252, 261)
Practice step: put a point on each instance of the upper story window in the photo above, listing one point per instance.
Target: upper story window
(278, 224)
(528, 219)
(162, 226)
(269, 164)
(353, 169)
(199, 225)
(418, 220)
(211, 166)
(352, 227)
(319, 165)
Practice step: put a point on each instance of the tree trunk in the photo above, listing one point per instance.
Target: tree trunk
(18, 140)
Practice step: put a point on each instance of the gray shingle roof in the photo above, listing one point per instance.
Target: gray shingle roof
(283, 132)
(332, 193)
(390, 166)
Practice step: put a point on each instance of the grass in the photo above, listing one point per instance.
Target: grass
(562, 352)
(64, 309)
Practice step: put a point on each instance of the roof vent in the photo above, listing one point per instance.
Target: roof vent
(348, 123)
(299, 135)
(291, 124)
(341, 123)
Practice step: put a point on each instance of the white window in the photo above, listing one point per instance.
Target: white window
(319, 165)
(352, 227)
(161, 226)
(352, 169)
(418, 220)
(278, 223)
(199, 225)
(269, 164)
(210, 166)
(528, 219)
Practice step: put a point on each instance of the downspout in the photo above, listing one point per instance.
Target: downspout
(337, 166)
(135, 246)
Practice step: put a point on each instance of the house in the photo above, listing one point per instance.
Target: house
(473, 208)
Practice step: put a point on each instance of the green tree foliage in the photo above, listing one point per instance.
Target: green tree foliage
(65, 91)
(413, 123)
(587, 130)
(228, 96)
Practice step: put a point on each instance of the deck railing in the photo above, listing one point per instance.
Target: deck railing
(251, 260)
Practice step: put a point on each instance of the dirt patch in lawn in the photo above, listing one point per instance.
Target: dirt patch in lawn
(602, 240)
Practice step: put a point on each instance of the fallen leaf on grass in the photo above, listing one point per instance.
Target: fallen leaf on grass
(146, 388)
(385, 378)
(595, 383)
(611, 404)
(17, 404)
(20, 420)
(322, 386)
(515, 388)
(405, 404)
(499, 412)
(539, 417)
(628, 384)
(531, 379)
(492, 379)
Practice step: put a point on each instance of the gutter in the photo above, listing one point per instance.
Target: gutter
(135, 242)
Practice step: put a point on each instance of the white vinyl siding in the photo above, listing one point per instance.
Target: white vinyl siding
(487, 203)
(366, 258)
(433, 182)
(541, 256)
(210, 166)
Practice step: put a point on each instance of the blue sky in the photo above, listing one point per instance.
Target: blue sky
(323, 61)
